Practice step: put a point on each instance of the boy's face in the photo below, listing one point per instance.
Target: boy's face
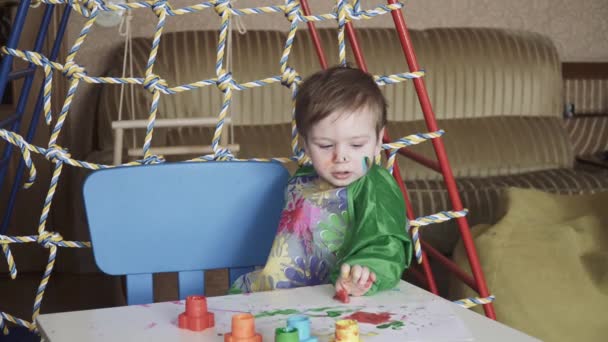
(338, 145)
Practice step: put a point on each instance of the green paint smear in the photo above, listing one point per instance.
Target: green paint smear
(334, 313)
(395, 325)
(276, 312)
(321, 309)
(329, 312)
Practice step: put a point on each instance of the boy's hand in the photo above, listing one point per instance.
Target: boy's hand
(355, 280)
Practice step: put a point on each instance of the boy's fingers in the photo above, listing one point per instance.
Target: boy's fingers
(345, 271)
(355, 273)
(371, 280)
(341, 292)
(364, 276)
(339, 285)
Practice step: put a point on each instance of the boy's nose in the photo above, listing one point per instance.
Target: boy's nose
(340, 157)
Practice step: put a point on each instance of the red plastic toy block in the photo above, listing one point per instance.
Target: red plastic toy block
(196, 317)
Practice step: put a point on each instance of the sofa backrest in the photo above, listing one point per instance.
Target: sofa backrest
(471, 73)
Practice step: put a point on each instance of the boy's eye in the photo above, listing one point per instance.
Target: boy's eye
(325, 147)
(357, 145)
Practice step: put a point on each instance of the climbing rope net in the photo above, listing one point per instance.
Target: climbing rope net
(343, 12)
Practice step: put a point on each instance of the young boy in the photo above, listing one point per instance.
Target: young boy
(344, 219)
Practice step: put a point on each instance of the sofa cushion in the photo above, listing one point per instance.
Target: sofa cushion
(497, 146)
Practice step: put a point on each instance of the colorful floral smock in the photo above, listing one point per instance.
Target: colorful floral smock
(322, 227)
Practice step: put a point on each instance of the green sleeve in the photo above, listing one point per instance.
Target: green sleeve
(378, 235)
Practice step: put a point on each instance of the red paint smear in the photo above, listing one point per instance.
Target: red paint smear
(178, 302)
(371, 318)
(144, 305)
(342, 296)
(151, 325)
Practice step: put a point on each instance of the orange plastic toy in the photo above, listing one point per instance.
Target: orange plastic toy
(243, 329)
(196, 317)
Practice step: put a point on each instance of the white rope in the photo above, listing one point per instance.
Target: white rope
(125, 30)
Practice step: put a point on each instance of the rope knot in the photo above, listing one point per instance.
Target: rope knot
(223, 154)
(57, 154)
(225, 81)
(344, 12)
(47, 239)
(151, 160)
(160, 6)
(35, 58)
(292, 11)
(153, 82)
(221, 6)
(71, 69)
(86, 8)
(289, 76)
(352, 13)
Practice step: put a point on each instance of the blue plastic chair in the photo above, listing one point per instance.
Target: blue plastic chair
(183, 217)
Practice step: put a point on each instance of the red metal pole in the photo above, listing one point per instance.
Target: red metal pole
(313, 34)
(431, 164)
(446, 170)
(419, 276)
(450, 265)
(354, 43)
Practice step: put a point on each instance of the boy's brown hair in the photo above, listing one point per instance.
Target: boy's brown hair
(339, 88)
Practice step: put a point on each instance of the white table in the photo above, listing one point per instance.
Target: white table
(426, 317)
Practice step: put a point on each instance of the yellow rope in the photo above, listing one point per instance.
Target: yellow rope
(474, 301)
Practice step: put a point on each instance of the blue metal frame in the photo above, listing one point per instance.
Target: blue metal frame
(13, 40)
(14, 120)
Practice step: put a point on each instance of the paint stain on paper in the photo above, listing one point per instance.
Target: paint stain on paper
(370, 317)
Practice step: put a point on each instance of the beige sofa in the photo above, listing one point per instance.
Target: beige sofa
(497, 93)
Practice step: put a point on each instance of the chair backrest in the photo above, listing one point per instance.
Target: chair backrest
(182, 217)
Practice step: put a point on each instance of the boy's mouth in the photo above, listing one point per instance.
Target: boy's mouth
(341, 174)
